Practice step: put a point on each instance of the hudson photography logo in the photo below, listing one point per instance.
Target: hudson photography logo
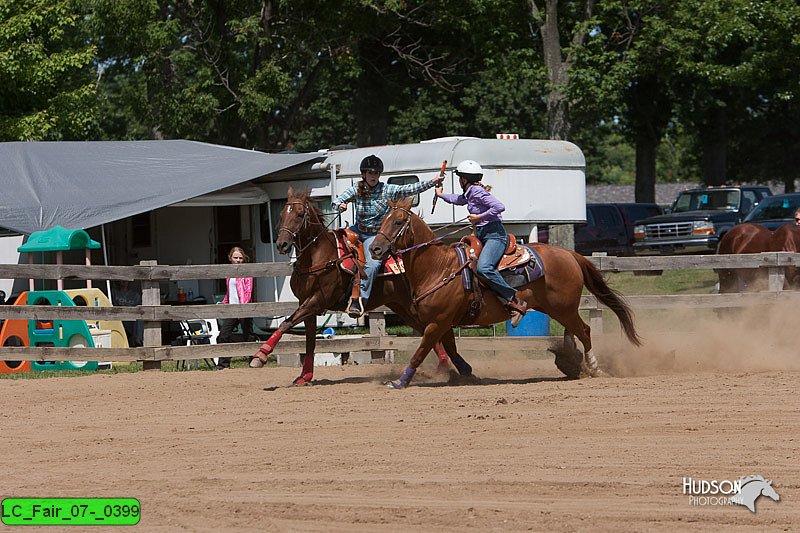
(743, 491)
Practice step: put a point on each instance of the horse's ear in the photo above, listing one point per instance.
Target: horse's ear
(393, 203)
(290, 192)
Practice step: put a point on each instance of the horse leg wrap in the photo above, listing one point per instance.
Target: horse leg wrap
(442, 354)
(308, 371)
(461, 365)
(405, 378)
(269, 345)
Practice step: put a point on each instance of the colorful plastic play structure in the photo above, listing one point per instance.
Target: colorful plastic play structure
(60, 333)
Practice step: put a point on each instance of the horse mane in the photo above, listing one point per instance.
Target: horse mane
(304, 197)
(748, 479)
(402, 203)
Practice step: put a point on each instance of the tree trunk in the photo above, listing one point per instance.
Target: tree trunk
(714, 140)
(372, 104)
(558, 66)
(651, 110)
(645, 190)
(557, 72)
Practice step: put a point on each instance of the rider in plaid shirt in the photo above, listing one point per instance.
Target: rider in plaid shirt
(371, 198)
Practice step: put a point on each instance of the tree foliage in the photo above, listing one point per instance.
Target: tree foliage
(649, 89)
(47, 90)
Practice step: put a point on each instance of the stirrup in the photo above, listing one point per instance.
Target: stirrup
(518, 309)
(356, 309)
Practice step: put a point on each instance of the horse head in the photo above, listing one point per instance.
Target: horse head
(752, 487)
(768, 490)
(296, 218)
(396, 230)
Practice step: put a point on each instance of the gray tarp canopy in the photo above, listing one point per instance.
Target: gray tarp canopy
(80, 185)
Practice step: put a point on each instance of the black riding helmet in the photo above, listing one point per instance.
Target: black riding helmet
(372, 163)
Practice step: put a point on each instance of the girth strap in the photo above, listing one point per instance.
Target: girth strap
(441, 284)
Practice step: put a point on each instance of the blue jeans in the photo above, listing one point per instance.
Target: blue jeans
(371, 267)
(494, 238)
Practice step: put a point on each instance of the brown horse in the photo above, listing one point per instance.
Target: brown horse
(320, 284)
(442, 304)
(747, 238)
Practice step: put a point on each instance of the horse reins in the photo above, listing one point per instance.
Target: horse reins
(393, 250)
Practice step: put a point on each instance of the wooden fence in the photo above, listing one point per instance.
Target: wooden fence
(152, 313)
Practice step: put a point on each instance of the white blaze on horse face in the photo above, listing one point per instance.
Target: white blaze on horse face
(289, 208)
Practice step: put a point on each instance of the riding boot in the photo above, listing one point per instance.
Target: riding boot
(518, 309)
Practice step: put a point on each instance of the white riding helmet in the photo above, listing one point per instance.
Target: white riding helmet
(469, 170)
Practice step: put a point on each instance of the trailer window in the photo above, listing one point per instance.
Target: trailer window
(405, 180)
(275, 206)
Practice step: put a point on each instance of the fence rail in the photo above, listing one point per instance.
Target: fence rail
(152, 313)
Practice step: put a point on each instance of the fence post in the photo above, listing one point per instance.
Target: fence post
(151, 295)
(776, 275)
(377, 327)
(596, 320)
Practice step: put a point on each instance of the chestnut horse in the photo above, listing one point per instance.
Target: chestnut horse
(747, 238)
(754, 238)
(320, 284)
(432, 266)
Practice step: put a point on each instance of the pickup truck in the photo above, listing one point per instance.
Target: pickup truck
(697, 220)
(608, 227)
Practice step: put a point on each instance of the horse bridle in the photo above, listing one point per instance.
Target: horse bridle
(406, 225)
(305, 221)
(300, 249)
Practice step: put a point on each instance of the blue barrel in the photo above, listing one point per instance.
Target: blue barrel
(533, 324)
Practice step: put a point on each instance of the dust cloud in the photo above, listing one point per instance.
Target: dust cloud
(757, 339)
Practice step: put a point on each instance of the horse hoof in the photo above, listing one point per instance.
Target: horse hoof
(593, 373)
(255, 362)
(463, 379)
(443, 369)
(303, 380)
(397, 384)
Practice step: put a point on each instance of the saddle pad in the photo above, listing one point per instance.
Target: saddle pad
(466, 274)
(391, 266)
(535, 265)
(348, 264)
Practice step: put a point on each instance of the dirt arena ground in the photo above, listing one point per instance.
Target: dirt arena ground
(524, 450)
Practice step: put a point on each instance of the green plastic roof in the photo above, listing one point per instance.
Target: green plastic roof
(58, 238)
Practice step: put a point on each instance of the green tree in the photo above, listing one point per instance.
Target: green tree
(724, 59)
(47, 80)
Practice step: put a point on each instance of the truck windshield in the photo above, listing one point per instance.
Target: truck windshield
(707, 200)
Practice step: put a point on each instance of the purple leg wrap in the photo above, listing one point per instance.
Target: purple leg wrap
(407, 376)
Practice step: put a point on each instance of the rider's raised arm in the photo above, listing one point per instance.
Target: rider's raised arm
(396, 192)
(450, 198)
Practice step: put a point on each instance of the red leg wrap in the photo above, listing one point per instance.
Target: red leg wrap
(444, 362)
(269, 345)
(308, 371)
(439, 349)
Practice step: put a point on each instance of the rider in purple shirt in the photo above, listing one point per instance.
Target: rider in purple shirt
(485, 213)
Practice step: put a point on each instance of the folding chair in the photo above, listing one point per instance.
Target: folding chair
(195, 332)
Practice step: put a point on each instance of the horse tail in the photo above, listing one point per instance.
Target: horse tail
(593, 279)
